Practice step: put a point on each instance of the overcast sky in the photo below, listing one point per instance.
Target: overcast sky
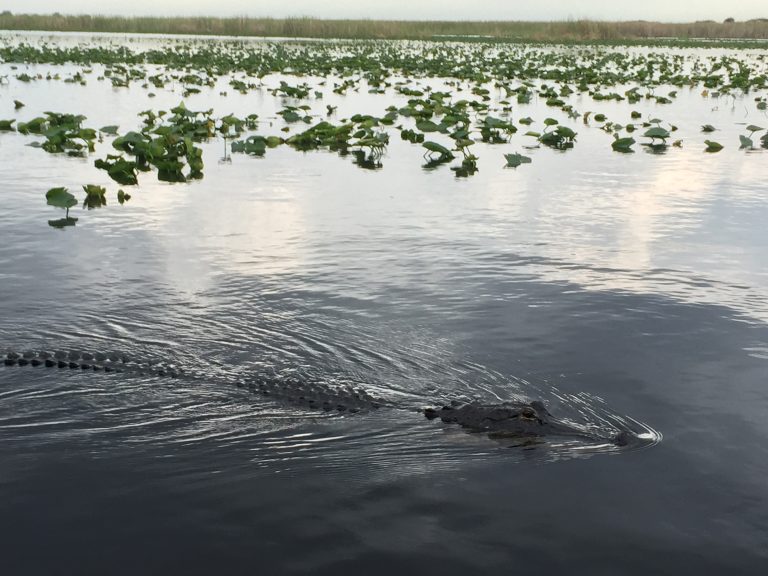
(665, 10)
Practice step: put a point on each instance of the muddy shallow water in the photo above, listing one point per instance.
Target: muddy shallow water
(627, 285)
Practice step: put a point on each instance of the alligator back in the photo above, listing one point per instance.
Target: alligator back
(312, 394)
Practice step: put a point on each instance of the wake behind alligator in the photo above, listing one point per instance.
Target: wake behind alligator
(525, 422)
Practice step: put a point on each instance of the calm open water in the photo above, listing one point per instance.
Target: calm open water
(606, 284)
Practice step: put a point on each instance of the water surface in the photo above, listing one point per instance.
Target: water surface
(611, 286)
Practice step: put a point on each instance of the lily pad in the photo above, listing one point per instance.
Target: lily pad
(623, 144)
(713, 146)
(429, 126)
(60, 198)
(437, 148)
(94, 190)
(515, 160)
(657, 132)
(119, 169)
(254, 145)
(122, 197)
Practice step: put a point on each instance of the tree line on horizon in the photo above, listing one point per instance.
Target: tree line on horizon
(307, 27)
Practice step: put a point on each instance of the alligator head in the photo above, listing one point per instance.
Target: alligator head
(524, 420)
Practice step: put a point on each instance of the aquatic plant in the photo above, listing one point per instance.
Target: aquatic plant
(61, 198)
(123, 197)
(95, 196)
(496, 131)
(557, 136)
(255, 145)
(657, 133)
(623, 144)
(482, 86)
(119, 169)
(747, 141)
(167, 145)
(62, 132)
(515, 160)
(713, 146)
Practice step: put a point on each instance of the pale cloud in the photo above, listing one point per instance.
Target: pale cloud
(664, 10)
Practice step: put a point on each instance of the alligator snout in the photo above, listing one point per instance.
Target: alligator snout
(516, 420)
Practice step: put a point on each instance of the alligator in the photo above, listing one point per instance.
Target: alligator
(528, 421)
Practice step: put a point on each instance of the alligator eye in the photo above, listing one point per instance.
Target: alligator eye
(528, 413)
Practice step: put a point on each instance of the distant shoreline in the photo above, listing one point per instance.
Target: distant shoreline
(561, 31)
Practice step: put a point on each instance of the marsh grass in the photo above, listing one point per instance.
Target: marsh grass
(572, 30)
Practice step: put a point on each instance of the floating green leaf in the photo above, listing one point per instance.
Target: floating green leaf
(515, 160)
(119, 169)
(561, 138)
(254, 145)
(123, 197)
(713, 146)
(429, 126)
(412, 136)
(623, 144)
(95, 196)
(34, 126)
(444, 154)
(468, 167)
(657, 132)
(495, 130)
(94, 190)
(60, 198)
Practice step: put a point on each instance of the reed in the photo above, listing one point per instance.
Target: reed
(571, 30)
